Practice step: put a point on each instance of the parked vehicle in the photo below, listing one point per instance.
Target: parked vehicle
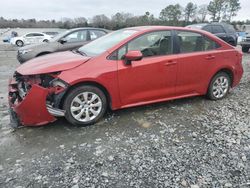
(245, 44)
(68, 40)
(51, 33)
(222, 30)
(128, 67)
(30, 38)
(8, 38)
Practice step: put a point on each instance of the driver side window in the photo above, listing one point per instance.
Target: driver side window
(77, 36)
(151, 44)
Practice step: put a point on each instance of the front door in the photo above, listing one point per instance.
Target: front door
(152, 78)
(74, 40)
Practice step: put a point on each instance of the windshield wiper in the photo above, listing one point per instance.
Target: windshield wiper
(79, 52)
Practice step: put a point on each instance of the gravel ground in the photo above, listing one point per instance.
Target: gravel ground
(184, 143)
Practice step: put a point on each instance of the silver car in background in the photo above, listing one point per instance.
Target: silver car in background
(68, 40)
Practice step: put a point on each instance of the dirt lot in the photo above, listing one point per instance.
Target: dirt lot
(185, 143)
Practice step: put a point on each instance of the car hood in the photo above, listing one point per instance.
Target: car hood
(52, 63)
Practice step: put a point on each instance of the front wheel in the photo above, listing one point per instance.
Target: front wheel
(219, 86)
(85, 105)
(19, 43)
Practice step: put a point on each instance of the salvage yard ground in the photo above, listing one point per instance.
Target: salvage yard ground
(189, 142)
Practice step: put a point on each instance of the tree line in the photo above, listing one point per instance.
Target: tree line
(174, 14)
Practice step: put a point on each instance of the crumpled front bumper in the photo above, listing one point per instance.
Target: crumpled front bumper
(32, 109)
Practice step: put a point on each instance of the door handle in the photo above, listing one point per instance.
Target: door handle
(170, 62)
(210, 57)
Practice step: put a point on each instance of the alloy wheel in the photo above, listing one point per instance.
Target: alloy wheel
(220, 87)
(86, 106)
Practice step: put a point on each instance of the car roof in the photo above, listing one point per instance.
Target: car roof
(82, 28)
(156, 28)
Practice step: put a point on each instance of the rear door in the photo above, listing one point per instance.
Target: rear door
(197, 56)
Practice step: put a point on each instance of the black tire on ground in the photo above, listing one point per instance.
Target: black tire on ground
(19, 43)
(73, 94)
(245, 49)
(210, 92)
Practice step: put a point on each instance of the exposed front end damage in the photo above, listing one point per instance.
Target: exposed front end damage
(35, 100)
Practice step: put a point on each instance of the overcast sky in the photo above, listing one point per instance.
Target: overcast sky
(57, 9)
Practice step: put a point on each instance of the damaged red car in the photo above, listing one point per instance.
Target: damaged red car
(128, 67)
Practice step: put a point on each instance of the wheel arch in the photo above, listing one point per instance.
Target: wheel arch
(90, 83)
(43, 53)
(227, 70)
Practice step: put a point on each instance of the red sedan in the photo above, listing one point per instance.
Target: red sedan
(128, 67)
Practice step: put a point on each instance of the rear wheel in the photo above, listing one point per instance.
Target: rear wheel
(245, 49)
(85, 105)
(45, 40)
(219, 86)
(19, 43)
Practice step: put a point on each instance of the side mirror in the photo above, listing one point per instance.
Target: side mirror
(132, 56)
(62, 41)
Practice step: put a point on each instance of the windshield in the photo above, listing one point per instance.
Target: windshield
(104, 43)
(59, 36)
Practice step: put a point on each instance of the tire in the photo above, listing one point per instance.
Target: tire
(85, 105)
(45, 40)
(232, 43)
(219, 86)
(19, 43)
(245, 49)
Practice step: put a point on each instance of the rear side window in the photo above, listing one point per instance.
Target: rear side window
(151, 44)
(38, 35)
(209, 44)
(208, 28)
(30, 35)
(218, 29)
(230, 29)
(195, 42)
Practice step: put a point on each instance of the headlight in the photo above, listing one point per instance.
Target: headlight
(25, 51)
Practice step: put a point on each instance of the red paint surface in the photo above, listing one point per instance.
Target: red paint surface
(32, 110)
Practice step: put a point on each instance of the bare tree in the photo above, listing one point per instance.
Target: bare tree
(81, 22)
(171, 13)
(100, 21)
(202, 13)
(190, 11)
(233, 6)
(216, 8)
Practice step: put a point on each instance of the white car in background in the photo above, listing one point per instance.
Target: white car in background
(30, 38)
